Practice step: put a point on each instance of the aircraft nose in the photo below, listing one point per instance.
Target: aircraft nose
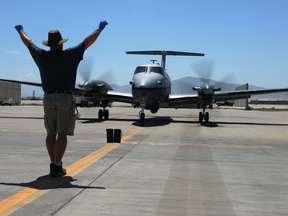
(138, 83)
(88, 85)
(147, 80)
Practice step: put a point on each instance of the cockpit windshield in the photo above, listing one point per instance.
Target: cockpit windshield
(141, 69)
(157, 70)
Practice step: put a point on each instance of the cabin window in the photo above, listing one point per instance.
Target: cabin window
(140, 69)
(157, 70)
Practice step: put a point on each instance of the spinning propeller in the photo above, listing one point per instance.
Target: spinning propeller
(89, 85)
(95, 90)
(206, 87)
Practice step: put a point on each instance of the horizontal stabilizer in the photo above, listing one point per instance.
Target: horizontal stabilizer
(161, 52)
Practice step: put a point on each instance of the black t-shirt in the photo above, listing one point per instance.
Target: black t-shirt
(58, 69)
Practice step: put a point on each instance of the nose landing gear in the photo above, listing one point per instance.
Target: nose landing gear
(143, 101)
(103, 113)
(204, 116)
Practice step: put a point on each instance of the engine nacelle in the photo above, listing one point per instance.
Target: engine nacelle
(217, 89)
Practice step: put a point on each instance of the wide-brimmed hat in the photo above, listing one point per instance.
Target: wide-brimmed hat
(54, 39)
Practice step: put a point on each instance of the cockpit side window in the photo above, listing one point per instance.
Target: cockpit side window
(140, 69)
(157, 70)
(166, 74)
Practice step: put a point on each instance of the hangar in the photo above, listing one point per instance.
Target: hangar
(10, 90)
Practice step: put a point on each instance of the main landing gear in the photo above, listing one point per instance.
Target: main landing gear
(103, 113)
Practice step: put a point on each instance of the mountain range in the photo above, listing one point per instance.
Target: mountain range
(179, 86)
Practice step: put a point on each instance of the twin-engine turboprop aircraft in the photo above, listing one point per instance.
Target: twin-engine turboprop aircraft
(151, 90)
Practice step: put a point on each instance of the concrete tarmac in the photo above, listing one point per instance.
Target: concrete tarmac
(234, 165)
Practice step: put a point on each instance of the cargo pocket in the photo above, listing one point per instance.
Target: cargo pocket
(71, 125)
(45, 122)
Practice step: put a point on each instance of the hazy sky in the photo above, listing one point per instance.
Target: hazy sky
(246, 37)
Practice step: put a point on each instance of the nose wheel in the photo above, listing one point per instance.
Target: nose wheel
(204, 116)
(143, 101)
(142, 118)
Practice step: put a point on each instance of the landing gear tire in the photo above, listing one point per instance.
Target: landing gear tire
(207, 117)
(142, 119)
(106, 114)
(200, 117)
(100, 114)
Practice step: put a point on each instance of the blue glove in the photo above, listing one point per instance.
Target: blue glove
(19, 28)
(102, 25)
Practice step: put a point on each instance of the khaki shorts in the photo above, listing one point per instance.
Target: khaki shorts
(57, 113)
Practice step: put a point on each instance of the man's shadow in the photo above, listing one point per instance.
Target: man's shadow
(46, 182)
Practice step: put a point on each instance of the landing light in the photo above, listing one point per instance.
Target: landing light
(132, 83)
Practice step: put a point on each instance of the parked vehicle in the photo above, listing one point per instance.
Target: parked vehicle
(224, 103)
(8, 101)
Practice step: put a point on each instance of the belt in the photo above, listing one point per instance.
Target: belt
(59, 92)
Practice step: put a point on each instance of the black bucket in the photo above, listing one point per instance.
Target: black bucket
(110, 136)
(117, 135)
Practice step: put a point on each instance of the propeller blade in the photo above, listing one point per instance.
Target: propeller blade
(204, 69)
(108, 77)
(85, 72)
(227, 83)
(85, 68)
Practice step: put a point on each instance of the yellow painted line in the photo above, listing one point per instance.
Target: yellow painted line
(129, 135)
(165, 113)
(204, 145)
(186, 144)
(27, 195)
(152, 120)
(123, 139)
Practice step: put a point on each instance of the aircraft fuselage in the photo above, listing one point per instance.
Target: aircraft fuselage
(150, 86)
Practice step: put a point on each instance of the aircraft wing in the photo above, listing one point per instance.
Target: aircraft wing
(77, 91)
(121, 97)
(241, 94)
(111, 95)
(186, 101)
(181, 101)
(23, 82)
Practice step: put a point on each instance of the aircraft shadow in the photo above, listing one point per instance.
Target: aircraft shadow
(252, 123)
(65, 182)
(149, 122)
(13, 117)
(94, 120)
(158, 121)
(155, 122)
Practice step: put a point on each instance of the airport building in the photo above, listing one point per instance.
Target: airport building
(10, 90)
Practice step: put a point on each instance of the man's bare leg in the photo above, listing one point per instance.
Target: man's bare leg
(61, 144)
(51, 146)
(56, 146)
